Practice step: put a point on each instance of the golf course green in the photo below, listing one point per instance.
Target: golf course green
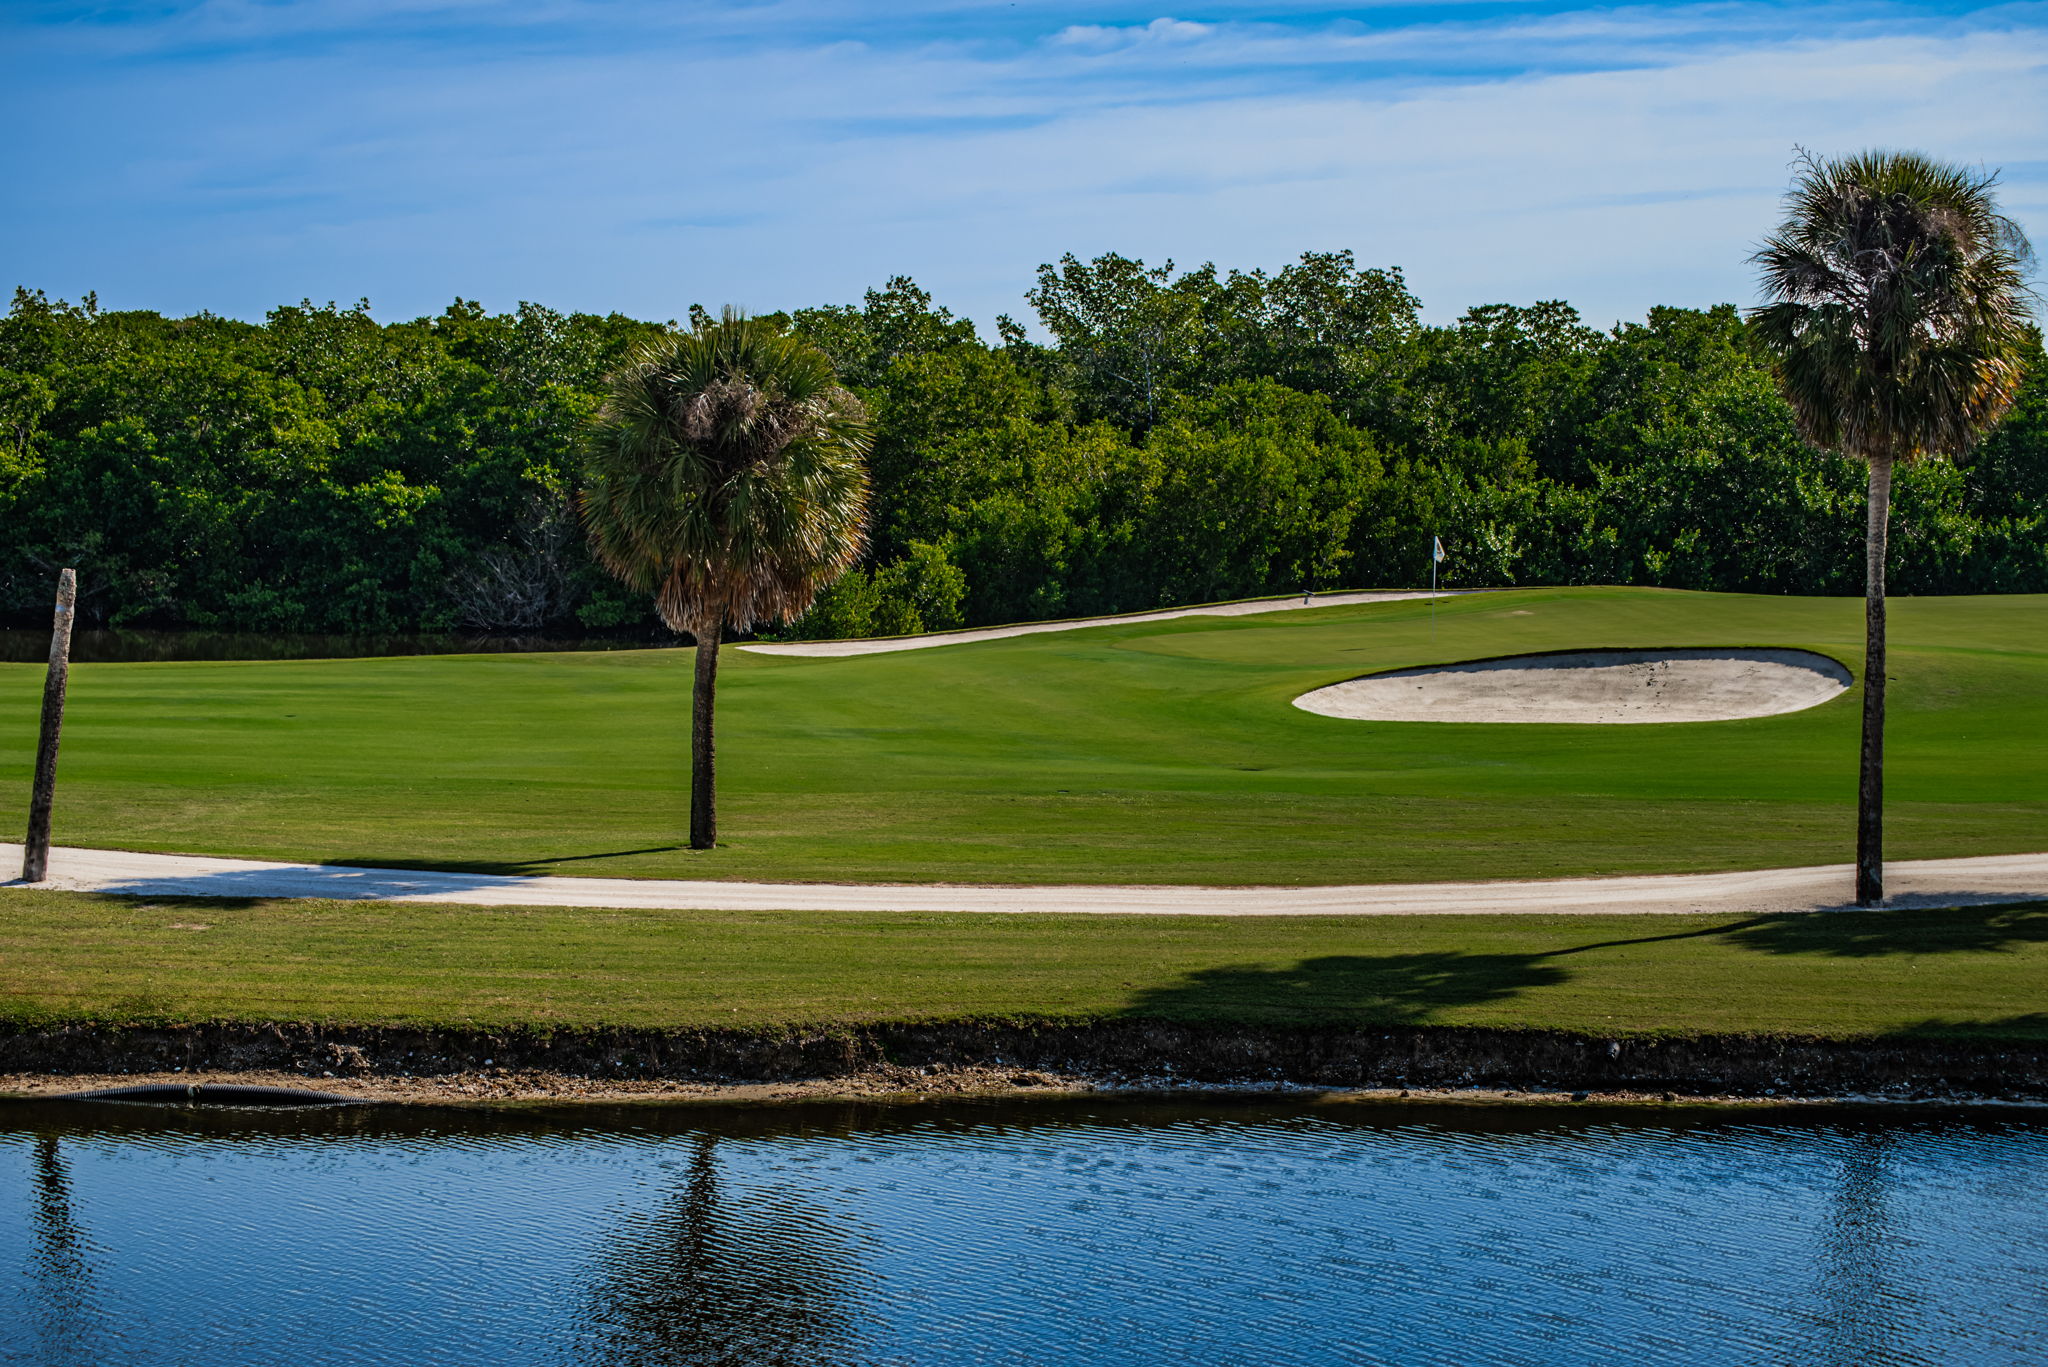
(1160, 752)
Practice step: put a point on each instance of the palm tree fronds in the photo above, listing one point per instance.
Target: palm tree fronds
(1898, 305)
(725, 476)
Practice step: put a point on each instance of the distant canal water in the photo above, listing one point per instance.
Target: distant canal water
(1094, 1231)
(20, 645)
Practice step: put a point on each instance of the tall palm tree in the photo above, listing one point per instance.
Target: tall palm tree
(1898, 310)
(725, 476)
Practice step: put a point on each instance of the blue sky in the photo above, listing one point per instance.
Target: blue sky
(640, 155)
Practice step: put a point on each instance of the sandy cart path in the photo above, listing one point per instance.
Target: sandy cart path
(1921, 883)
(954, 638)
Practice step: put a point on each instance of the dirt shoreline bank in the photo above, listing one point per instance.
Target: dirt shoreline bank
(509, 1088)
(396, 1063)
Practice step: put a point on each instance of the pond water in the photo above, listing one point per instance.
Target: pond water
(1091, 1231)
(20, 645)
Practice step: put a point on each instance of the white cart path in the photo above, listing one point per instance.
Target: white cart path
(1912, 883)
(885, 645)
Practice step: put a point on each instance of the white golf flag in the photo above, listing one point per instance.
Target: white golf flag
(1439, 553)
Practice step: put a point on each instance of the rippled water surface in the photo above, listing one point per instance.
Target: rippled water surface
(1056, 1232)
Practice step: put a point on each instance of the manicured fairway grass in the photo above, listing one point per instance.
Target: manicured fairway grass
(1155, 753)
(69, 956)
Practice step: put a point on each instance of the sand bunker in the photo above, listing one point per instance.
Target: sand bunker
(1593, 686)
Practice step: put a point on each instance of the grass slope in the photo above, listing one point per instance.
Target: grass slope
(70, 957)
(1161, 752)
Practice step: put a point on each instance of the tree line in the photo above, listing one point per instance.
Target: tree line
(1164, 436)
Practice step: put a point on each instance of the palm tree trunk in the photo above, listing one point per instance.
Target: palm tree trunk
(703, 748)
(1870, 786)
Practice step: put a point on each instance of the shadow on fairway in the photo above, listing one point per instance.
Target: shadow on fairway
(184, 902)
(2031, 1026)
(504, 868)
(1895, 930)
(1405, 989)
(1391, 989)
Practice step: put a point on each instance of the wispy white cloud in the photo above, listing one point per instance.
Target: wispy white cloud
(782, 154)
(1104, 37)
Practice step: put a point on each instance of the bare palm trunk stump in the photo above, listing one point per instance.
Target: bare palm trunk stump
(35, 861)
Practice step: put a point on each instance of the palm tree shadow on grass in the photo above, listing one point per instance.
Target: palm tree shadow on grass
(1406, 989)
(508, 868)
(1387, 989)
(2031, 1026)
(1891, 930)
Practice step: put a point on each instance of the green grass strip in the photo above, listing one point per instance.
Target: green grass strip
(82, 957)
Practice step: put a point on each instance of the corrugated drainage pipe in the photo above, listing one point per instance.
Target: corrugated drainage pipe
(211, 1094)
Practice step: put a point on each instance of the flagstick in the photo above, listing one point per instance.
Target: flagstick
(1433, 543)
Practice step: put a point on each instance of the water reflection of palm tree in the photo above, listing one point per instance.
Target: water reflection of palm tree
(706, 1282)
(1862, 1302)
(58, 1265)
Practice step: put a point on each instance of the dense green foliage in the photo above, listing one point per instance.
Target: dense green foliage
(1177, 438)
(1160, 752)
(319, 472)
